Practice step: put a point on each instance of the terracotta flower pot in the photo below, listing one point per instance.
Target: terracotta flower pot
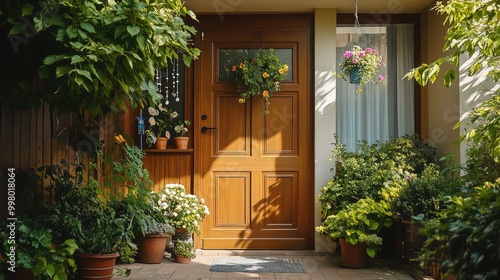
(353, 256)
(95, 266)
(151, 248)
(182, 259)
(181, 142)
(161, 143)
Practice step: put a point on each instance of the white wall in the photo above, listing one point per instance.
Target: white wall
(325, 108)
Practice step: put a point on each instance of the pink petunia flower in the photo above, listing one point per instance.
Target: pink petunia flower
(381, 78)
(355, 61)
(347, 54)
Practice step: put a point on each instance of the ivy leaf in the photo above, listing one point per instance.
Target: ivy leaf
(27, 10)
(133, 30)
(88, 27)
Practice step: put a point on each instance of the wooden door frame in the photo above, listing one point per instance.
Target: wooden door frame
(233, 23)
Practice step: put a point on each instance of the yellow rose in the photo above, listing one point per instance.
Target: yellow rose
(281, 71)
(285, 67)
(265, 93)
(265, 75)
(241, 100)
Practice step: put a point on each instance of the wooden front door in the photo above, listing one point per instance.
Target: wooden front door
(254, 170)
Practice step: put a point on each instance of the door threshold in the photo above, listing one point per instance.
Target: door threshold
(239, 252)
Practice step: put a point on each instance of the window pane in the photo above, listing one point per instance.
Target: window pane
(228, 57)
(382, 110)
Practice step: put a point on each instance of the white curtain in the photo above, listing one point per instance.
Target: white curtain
(383, 110)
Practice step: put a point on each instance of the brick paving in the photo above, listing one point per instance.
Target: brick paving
(318, 266)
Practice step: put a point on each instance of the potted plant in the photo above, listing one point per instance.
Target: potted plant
(184, 252)
(85, 213)
(361, 66)
(160, 119)
(463, 238)
(34, 252)
(260, 75)
(183, 211)
(356, 227)
(181, 140)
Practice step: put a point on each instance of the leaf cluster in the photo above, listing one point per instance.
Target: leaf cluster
(465, 236)
(104, 52)
(259, 75)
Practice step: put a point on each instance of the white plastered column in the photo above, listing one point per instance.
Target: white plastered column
(325, 109)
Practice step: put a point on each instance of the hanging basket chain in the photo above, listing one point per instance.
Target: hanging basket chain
(357, 26)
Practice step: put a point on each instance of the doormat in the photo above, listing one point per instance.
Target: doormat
(255, 264)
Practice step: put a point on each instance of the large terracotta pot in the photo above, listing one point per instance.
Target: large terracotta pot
(95, 266)
(151, 247)
(353, 256)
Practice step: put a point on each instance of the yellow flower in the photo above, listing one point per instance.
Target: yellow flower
(241, 65)
(241, 100)
(119, 139)
(285, 67)
(265, 75)
(233, 68)
(281, 71)
(265, 93)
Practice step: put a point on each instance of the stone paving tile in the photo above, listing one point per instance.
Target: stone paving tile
(318, 266)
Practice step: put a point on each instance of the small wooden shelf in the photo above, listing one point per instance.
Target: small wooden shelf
(168, 151)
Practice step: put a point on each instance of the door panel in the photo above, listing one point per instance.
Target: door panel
(255, 169)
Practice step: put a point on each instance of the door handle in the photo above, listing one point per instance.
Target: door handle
(205, 129)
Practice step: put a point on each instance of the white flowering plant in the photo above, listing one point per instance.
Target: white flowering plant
(160, 119)
(181, 209)
(367, 60)
(181, 128)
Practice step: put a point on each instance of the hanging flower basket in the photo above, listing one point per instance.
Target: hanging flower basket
(361, 67)
(260, 75)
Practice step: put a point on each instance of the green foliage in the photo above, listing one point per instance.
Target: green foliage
(473, 30)
(465, 236)
(83, 212)
(127, 252)
(483, 127)
(364, 172)
(102, 53)
(423, 193)
(359, 222)
(260, 75)
(184, 248)
(35, 249)
(480, 167)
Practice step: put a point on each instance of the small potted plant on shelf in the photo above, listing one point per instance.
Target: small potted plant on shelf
(260, 75)
(181, 130)
(361, 66)
(160, 119)
(184, 251)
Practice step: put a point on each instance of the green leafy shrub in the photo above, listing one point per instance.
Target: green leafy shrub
(35, 249)
(423, 194)
(465, 236)
(359, 222)
(364, 172)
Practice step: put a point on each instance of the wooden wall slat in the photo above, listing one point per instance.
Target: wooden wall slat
(169, 167)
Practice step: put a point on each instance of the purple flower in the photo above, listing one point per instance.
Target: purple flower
(381, 78)
(368, 50)
(361, 53)
(383, 64)
(354, 61)
(347, 54)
